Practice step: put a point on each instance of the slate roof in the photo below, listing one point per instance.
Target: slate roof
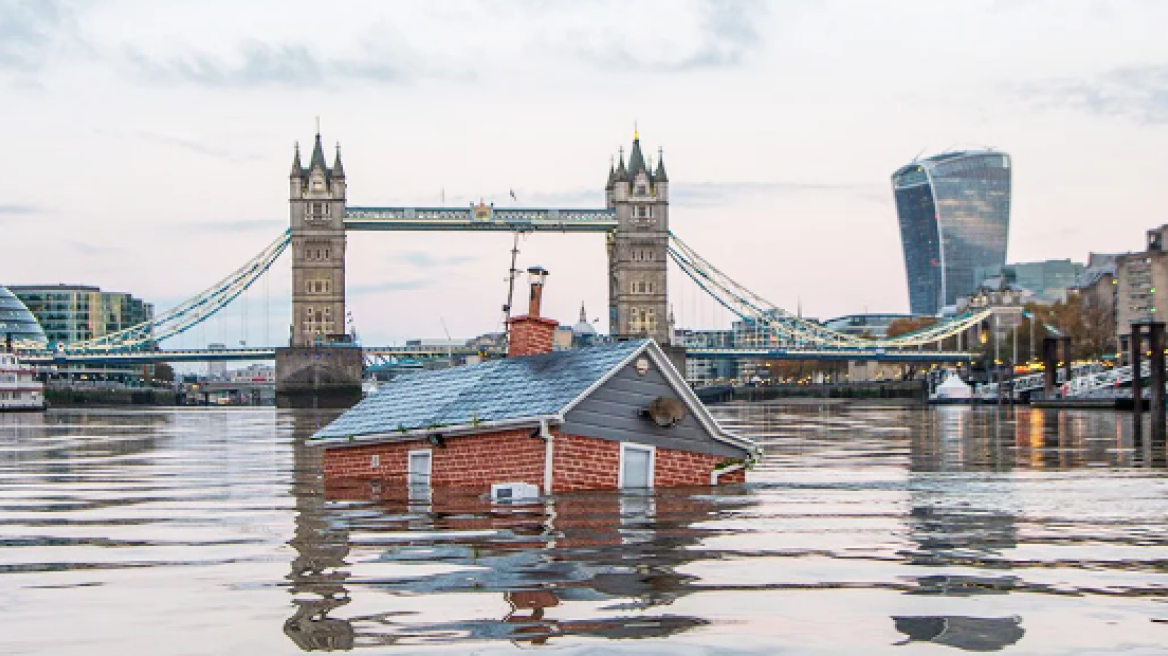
(496, 391)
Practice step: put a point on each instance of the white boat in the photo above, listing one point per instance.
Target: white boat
(953, 390)
(19, 388)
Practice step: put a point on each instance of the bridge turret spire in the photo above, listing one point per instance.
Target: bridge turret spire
(659, 175)
(297, 169)
(338, 169)
(318, 156)
(621, 172)
(611, 174)
(636, 159)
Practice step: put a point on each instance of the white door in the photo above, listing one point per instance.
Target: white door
(419, 475)
(636, 466)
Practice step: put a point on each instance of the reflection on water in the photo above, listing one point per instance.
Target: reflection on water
(867, 528)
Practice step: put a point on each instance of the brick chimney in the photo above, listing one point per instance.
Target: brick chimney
(530, 334)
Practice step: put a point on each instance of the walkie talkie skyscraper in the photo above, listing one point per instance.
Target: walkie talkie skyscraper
(954, 212)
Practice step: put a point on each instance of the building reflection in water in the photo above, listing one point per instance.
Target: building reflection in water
(318, 575)
(547, 561)
(962, 525)
(966, 633)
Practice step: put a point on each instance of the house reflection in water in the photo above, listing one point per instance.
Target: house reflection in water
(549, 562)
(965, 633)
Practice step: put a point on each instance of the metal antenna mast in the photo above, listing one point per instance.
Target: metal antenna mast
(511, 286)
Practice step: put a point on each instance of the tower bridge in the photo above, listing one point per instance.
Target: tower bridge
(635, 219)
(639, 246)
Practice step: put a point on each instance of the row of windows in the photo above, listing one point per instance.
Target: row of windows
(319, 211)
(318, 321)
(13, 396)
(642, 287)
(318, 286)
(642, 320)
(320, 253)
(643, 255)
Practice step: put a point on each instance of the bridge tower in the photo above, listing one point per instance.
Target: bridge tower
(638, 248)
(317, 214)
(318, 368)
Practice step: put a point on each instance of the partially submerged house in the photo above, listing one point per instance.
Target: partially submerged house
(602, 417)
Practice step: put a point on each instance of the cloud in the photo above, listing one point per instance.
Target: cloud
(721, 193)
(273, 226)
(283, 64)
(369, 289)
(727, 31)
(91, 249)
(28, 31)
(424, 260)
(19, 210)
(226, 154)
(1138, 93)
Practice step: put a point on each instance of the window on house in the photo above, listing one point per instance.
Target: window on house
(640, 191)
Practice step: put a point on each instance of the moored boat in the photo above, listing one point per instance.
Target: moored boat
(19, 388)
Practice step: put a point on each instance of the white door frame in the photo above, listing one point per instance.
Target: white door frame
(645, 448)
(410, 482)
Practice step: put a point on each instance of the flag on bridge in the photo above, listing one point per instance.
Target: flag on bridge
(513, 195)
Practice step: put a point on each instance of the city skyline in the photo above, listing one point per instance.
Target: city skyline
(156, 165)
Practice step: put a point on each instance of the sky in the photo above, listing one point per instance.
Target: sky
(148, 142)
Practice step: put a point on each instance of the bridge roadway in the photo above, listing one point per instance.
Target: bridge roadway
(841, 354)
(238, 354)
(385, 353)
(480, 217)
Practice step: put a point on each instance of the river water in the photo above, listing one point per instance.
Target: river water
(868, 529)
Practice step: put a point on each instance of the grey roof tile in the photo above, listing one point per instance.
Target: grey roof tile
(499, 390)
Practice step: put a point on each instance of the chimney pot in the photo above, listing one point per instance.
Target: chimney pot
(531, 334)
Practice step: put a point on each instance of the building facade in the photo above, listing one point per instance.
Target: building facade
(1049, 281)
(638, 250)
(1097, 285)
(869, 326)
(317, 206)
(954, 215)
(1141, 285)
(76, 313)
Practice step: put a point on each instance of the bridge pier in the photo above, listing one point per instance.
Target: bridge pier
(318, 376)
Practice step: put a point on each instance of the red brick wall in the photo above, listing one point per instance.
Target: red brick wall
(530, 335)
(474, 462)
(584, 463)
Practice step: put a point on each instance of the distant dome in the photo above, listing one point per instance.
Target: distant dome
(582, 327)
(16, 320)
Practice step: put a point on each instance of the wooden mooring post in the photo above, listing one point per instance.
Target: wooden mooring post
(1156, 383)
(1137, 384)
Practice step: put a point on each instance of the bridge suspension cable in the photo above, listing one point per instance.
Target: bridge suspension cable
(794, 331)
(190, 312)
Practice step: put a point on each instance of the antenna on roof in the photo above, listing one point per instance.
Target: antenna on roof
(918, 157)
(318, 125)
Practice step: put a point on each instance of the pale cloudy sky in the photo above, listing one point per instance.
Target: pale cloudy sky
(147, 142)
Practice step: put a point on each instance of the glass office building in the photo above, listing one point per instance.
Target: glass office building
(17, 323)
(74, 313)
(954, 213)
